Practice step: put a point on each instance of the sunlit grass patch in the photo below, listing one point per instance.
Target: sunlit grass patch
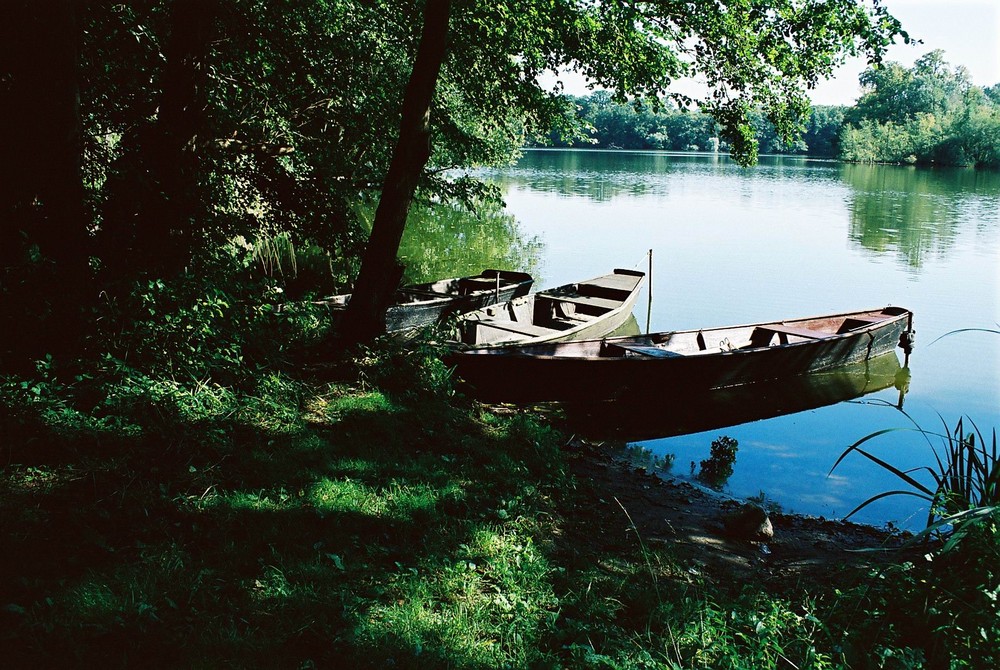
(513, 564)
(488, 603)
(321, 403)
(257, 501)
(337, 404)
(369, 402)
(395, 501)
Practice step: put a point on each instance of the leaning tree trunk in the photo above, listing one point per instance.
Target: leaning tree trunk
(380, 270)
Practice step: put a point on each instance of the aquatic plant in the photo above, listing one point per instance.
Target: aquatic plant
(966, 480)
(950, 598)
(644, 457)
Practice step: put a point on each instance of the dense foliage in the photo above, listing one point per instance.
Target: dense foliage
(612, 124)
(928, 114)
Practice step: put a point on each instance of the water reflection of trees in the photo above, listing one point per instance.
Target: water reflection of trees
(443, 241)
(601, 175)
(915, 212)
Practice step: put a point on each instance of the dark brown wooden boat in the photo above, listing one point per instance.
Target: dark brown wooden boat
(616, 367)
(581, 310)
(419, 305)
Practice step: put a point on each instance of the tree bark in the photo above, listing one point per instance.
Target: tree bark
(44, 242)
(155, 204)
(44, 197)
(178, 124)
(380, 269)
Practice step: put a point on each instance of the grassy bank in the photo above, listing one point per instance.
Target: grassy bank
(381, 520)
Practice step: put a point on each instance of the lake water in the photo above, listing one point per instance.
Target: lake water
(791, 237)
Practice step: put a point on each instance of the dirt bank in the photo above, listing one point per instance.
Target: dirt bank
(619, 500)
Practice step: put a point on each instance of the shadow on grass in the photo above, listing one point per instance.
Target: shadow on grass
(349, 529)
(358, 536)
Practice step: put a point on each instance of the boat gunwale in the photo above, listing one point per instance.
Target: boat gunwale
(557, 336)
(516, 278)
(516, 349)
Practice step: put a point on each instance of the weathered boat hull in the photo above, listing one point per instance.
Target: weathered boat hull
(582, 310)
(651, 364)
(420, 305)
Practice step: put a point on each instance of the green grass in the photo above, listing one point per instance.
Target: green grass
(285, 523)
(952, 595)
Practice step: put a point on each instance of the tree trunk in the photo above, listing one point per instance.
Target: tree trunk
(380, 270)
(180, 120)
(155, 203)
(44, 243)
(43, 201)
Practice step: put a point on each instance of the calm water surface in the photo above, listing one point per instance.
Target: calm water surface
(790, 237)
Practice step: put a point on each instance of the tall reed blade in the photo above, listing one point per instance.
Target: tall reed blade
(966, 488)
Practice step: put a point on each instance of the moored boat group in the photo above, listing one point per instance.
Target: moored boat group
(508, 344)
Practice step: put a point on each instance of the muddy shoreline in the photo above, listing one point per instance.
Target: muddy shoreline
(621, 501)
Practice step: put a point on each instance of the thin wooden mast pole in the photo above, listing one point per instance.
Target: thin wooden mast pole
(649, 289)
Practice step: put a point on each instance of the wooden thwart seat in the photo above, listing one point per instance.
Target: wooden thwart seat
(641, 349)
(858, 321)
(807, 333)
(762, 335)
(424, 293)
(479, 284)
(516, 327)
(586, 301)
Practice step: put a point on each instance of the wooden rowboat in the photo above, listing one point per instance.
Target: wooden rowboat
(586, 309)
(419, 305)
(616, 367)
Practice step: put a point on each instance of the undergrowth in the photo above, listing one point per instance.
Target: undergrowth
(212, 506)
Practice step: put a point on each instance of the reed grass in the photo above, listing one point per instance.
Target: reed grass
(965, 477)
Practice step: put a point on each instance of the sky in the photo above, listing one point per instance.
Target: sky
(968, 31)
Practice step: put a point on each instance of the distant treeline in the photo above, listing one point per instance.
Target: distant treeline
(928, 114)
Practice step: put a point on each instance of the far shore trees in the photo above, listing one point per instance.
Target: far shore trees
(928, 114)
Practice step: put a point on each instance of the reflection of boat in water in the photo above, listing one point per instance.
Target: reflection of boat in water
(682, 413)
